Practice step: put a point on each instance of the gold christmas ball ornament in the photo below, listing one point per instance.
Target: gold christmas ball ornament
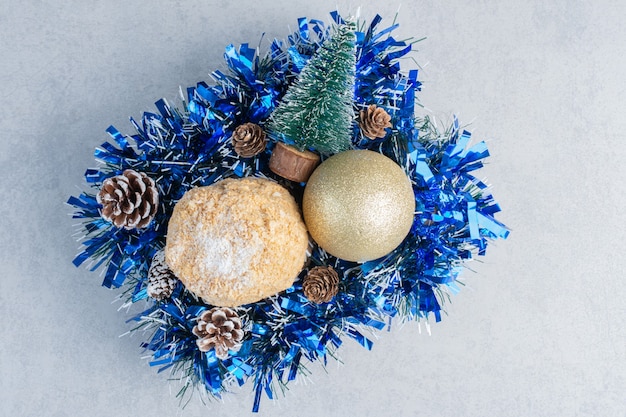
(237, 241)
(358, 205)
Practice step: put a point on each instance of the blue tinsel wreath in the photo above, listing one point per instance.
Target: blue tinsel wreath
(182, 149)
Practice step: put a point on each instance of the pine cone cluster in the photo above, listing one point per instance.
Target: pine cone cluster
(249, 140)
(161, 279)
(321, 284)
(373, 122)
(129, 200)
(219, 328)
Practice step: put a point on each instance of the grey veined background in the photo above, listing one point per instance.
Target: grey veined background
(539, 329)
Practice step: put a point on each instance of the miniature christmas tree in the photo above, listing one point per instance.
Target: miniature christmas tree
(316, 112)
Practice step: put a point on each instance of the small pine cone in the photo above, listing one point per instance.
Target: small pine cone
(129, 200)
(219, 328)
(248, 140)
(161, 279)
(321, 284)
(373, 122)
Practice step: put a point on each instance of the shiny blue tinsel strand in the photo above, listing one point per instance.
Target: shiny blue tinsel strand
(183, 149)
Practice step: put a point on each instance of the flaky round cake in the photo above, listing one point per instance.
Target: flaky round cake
(236, 241)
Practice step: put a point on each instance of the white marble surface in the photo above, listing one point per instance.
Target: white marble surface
(539, 331)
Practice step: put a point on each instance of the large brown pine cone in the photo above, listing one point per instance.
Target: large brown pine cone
(373, 122)
(249, 140)
(129, 200)
(161, 279)
(219, 328)
(321, 284)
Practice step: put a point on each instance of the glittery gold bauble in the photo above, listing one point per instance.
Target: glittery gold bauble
(236, 241)
(358, 205)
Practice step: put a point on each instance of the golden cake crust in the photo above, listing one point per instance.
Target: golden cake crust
(236, 241)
